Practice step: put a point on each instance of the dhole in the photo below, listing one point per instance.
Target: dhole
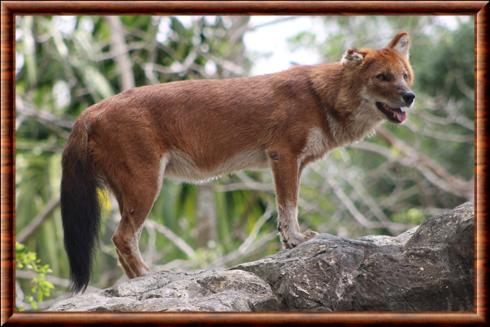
(195, 130)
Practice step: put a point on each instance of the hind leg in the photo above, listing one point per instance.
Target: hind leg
(126, 238)
(136, 196)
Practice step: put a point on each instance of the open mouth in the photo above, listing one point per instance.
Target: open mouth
(395, 115)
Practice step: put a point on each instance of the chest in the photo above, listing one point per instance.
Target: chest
(359, 124)
(316, 145)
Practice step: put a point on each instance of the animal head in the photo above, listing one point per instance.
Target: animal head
(384, 77)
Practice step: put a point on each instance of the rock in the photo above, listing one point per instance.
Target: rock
(427, 268)
(204, 290)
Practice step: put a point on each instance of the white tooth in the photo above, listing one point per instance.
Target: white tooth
(403, 109)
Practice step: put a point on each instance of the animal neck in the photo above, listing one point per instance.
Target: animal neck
(338, 95)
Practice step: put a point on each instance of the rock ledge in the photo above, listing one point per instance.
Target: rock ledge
(427, 268)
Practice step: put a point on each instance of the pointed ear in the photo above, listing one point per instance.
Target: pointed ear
(352, 57)
(401, 44)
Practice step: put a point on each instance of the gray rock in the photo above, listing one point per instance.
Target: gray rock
(204, 290)
(427, 268)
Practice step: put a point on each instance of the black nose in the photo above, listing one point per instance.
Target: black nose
(408, 97)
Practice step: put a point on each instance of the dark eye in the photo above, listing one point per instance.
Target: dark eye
(382, 77)
(405, 76)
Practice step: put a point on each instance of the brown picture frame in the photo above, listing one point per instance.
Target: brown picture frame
(11, 9)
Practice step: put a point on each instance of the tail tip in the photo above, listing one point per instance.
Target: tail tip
(78, 287)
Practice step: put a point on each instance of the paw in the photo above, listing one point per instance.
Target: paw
(293, 240)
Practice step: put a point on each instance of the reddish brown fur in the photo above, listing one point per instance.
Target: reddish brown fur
(283, 120)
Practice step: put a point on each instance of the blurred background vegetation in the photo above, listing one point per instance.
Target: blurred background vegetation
(382, 185)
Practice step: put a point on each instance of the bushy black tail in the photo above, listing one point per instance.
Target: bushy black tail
(80, 208)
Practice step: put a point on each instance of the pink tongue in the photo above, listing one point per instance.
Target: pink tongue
(400, 116)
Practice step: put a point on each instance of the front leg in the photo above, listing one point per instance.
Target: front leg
(286, 171)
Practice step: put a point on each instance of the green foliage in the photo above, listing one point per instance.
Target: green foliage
(40, 288)
(411, 216)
